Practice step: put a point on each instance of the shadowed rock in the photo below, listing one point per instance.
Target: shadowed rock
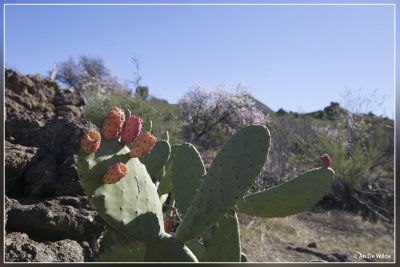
(54, 218)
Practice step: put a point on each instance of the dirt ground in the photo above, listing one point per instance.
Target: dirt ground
(330, 235)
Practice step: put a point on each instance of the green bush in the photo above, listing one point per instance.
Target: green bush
(357, 147)
(354, 152)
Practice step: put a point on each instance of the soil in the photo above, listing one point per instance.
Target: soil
(333, 235)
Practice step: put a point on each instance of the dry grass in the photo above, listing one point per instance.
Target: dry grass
(266, 240)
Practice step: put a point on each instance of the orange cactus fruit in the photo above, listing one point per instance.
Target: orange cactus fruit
(143, 145)
(90, 142)
(326, 160)
(113, 123)
(131, 130)
(115, 173)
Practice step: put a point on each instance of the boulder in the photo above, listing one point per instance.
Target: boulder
(20, 248)
(54, 219)
(17, 159)
(41, 115)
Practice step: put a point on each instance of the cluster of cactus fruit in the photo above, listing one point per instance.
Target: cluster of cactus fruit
(129, 176)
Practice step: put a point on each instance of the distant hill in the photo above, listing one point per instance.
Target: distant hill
(261, 106)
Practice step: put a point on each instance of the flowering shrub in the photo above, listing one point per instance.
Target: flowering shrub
(211, 115)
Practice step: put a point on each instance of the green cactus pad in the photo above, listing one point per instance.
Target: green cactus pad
(165, 136)
(156, 159)
(187, 172)
(132, 205)
(147, 125)
(294, 196)
(167, 249)
(116, 253)
(127, 114)
(232, 173)
(165, 185)
(222, 241)
(110, 251)
(197, 248)
(243, 257)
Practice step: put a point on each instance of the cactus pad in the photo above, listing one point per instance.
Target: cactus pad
(132, 205)
(222, 241)
(156, 160)
(147, 126)
(197, 248)
(231, 174)
(165, 136)
(187, 172)
(167, 249)
(294, 196)
(165, 185)
(111, 251)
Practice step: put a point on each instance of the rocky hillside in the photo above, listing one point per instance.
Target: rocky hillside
(47, 216)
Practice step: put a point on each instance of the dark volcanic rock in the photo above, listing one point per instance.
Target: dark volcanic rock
(43, 129)
(17, 159)
(19, 248)
(40, 114)
(55, 218)
(40, 176)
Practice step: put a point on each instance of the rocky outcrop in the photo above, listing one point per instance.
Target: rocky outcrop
(43, 127)
(20, 248)
(54, 218)
(47, 216)
(17, 159)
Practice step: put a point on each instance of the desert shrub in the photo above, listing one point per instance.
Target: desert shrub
(356, 144)
(210, 116)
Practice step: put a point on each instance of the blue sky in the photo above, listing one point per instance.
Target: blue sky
(299, 58)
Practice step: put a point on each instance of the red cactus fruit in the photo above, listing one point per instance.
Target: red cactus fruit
(168, 224)
(113, 123)
(90, 142)
(115, 173)
(326, 160)
(143, 145)
(131, 130)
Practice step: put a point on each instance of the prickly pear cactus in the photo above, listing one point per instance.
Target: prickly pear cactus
(130, 205)
(156, 160)
(165, 185)
(111, 251)
(118, 181)
(167, 249)
(291, 197)
(222, 240)
(187, 173)
(231, 174)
